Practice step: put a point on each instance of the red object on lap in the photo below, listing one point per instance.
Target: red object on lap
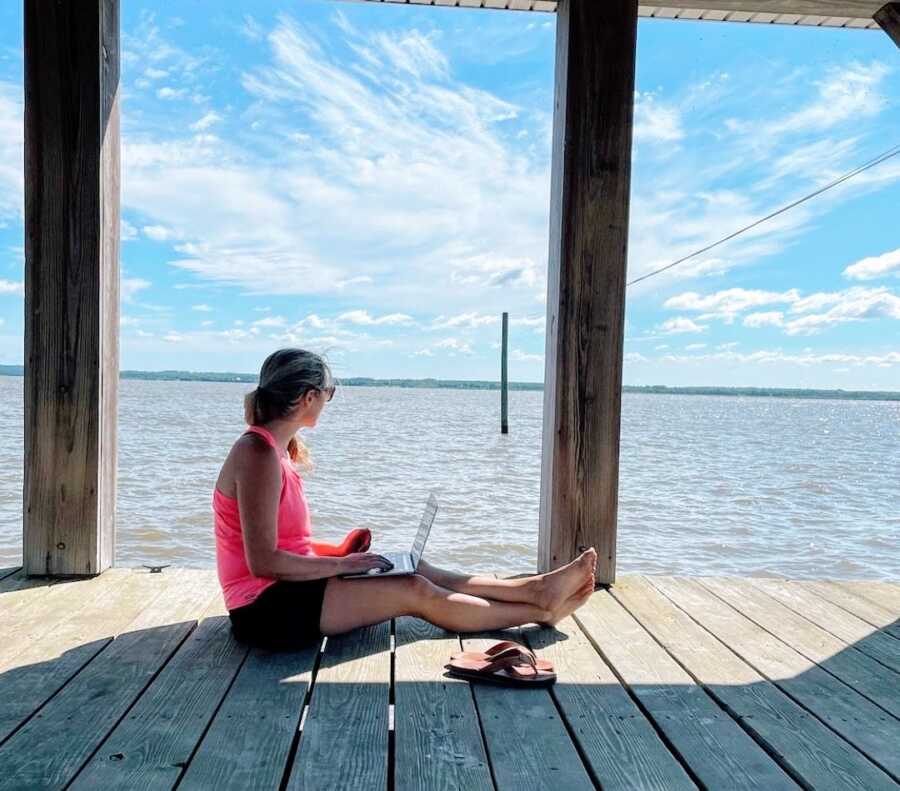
(357, 540)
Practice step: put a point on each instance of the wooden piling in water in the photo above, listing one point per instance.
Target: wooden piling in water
(504, 379)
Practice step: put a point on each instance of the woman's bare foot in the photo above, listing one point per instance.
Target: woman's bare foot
(579, 598)
(555, 587)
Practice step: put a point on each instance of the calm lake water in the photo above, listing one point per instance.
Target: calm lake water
(709, 484)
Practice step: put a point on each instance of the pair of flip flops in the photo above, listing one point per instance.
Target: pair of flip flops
(506, 663)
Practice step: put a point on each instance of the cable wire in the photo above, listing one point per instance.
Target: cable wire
(891, 152)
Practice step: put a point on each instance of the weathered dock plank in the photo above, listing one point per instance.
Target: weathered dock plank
(344, 742)
(884, 594)
(866, 726)
(810, 751)
(848, 627)
(438, 744)
(527, 742)
(36, 674)
(876, 614)
(19, 590)
(8, 571)
(58, 607)
(853, 667)
(50, 748)
(153, 743)
(249, 742)
(619, 744)
(718, 752)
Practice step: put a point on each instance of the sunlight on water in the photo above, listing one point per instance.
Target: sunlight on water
(709, 485)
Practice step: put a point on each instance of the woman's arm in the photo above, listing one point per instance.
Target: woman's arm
(258, 484)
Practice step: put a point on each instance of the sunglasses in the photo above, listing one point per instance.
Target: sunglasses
(329, 390)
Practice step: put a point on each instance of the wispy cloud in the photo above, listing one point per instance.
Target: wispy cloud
(874, 266)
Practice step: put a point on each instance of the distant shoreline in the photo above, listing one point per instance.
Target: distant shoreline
(461, 384)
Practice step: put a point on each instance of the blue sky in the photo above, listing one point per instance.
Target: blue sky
(372, 182)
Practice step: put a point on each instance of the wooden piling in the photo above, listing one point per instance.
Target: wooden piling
(504, 378)
(889, 19)
(71, 284)
(590, 185)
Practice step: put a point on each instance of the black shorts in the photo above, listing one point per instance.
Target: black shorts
(284, 616)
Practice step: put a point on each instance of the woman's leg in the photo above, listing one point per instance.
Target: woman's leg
(541, 590)
(349, 604)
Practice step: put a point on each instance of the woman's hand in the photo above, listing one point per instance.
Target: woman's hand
(361, 562)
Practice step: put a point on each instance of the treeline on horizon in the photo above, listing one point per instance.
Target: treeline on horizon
(463, 384)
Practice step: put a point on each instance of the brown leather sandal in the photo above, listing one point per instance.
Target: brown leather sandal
(497, 648)
(509, 668)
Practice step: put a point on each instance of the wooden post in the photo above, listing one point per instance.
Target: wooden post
(504, 379)
(71, 284)
(595, 66)
(888, 17)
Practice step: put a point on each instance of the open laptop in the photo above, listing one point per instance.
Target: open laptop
(405, 563)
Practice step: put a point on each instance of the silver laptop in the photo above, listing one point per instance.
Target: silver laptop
(405, 563)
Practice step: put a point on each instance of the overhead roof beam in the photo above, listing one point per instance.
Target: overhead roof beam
(888, 17)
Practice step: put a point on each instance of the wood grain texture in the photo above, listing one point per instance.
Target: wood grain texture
(870, 729)
(438, 744)
(844, 625)
(248, 743)
(852, 9)
(801, 743)
(151, 746)
(593, 118)
(618, 742)
(884, 594)
(853, 667)
(862, 606)
(527, 742)
(888, 17)
(71, 284)
(344, 744)
(719, 753)
(50, 749)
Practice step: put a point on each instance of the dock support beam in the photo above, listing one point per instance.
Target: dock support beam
(594, 110)
(888, 17)
(71, 285)
(504, 376)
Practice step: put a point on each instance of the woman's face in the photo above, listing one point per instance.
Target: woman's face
(312, 404)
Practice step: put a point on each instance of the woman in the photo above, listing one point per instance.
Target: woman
(281, 588)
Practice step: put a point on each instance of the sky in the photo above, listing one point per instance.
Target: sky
(371, 182)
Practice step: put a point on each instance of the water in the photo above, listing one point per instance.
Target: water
(708, 484)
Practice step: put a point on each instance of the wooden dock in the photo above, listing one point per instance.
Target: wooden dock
(132, 680)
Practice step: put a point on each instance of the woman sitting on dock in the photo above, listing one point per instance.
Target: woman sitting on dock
(282, 588)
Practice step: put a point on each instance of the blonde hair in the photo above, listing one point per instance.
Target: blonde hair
(285, 377)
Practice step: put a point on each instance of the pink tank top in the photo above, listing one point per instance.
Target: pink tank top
(239, 586)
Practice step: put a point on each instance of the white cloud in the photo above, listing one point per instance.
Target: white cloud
(772, 318)
(854, 304)
(127, 231)
(455, 345)
(173, 337)
(363, 317)
(875, 266)
(423, 353)
(271, 321)
(206, 121)
(170, 93)
(468, 321)
(680, 324)
(654, 122)
(692, 347)
(129, 286)
(202, 308)
(12, 183)
(12, 287)
(847, 93)
(158, 233)
(729, 303)
(778, 356)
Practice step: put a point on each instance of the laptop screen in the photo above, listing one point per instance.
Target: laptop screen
(424, 529)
